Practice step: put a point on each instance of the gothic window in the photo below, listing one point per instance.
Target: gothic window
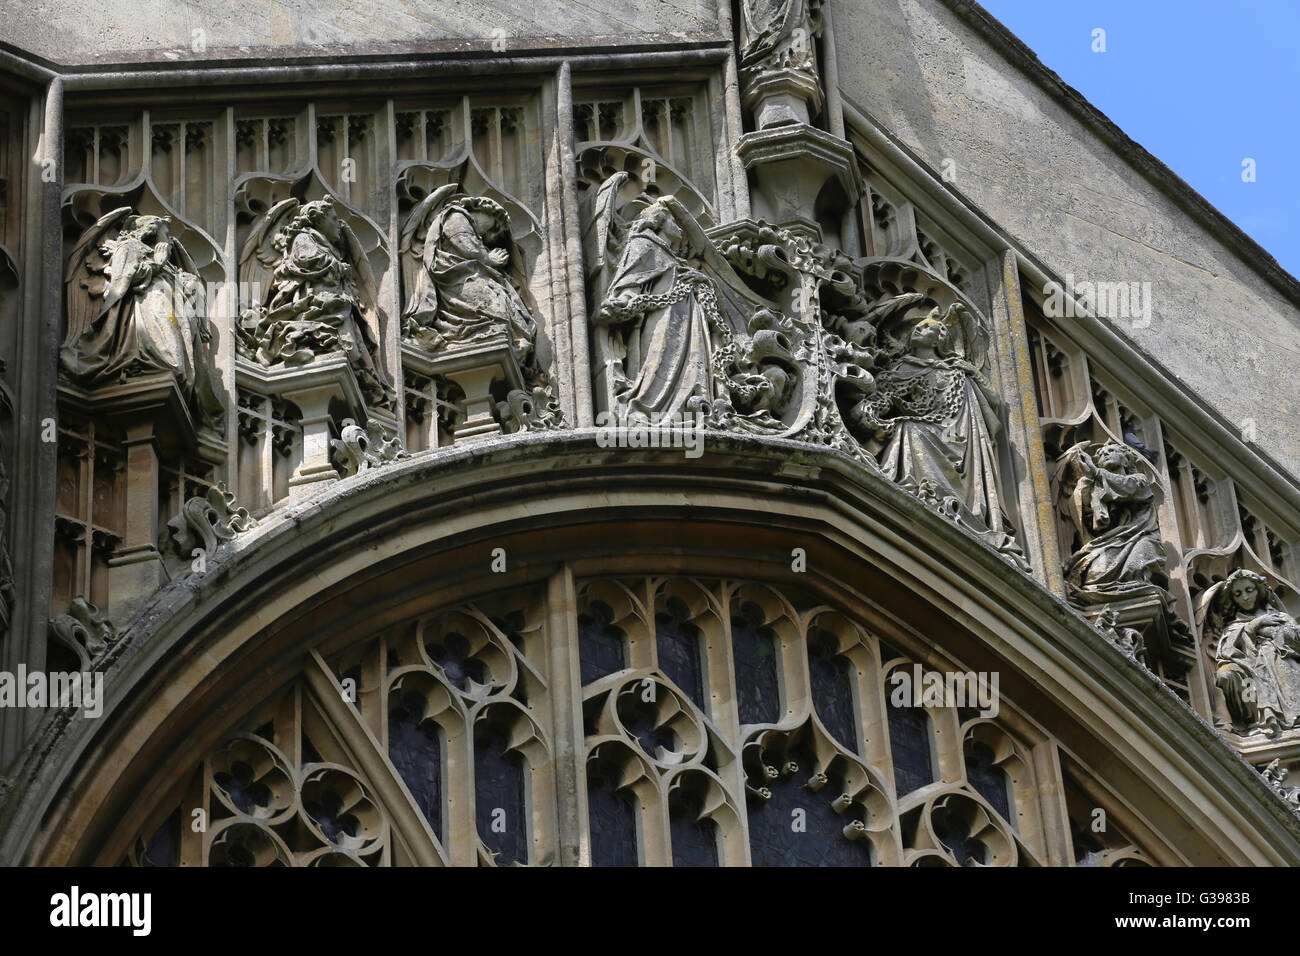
(789, 765)
(415, 747)
(612, 810)
(910, 740)
(680, 650)
(755, 648)
(987, 779)
(600, 644)
(833, 676)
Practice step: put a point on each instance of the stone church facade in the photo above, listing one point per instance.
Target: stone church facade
(788, 432)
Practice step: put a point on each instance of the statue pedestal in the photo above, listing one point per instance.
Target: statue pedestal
(152, 412)
(793, 165)
(781, 97)
(324, 391)
(484, 371)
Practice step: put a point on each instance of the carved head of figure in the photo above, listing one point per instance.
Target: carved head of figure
(1247, 590)
(658, 218)
(1116, 457)
(321, 216)
(931, 334)
(148, 229)
(491, 221)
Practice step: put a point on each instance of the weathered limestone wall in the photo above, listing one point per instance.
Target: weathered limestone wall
(78, 31)
(1036, 170)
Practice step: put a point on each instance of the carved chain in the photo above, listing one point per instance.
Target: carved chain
(724, 357)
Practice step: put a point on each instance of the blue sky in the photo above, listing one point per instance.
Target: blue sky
(1201, 84)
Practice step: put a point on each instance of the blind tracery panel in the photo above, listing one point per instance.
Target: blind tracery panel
(720, 723)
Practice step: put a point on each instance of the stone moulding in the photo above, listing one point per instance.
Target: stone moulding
(420, 504)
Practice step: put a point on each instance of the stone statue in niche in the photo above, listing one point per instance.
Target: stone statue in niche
(1256, 647)
(1112, 504)
(321, 296)
(468, 307)
(464, 289)
(677, 334)
(778, 65)
(136, 306)
(932, 419)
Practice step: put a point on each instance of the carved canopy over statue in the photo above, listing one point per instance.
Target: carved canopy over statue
(1112, 504)
(678, 333)
(464, 278)
(321, 297)
(1256, 648)
(136, 306)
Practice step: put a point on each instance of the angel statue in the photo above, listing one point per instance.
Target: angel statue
(1113, 505)
(1256, 647)
(457, 259)
(932, 419)
(322, 296)
(136, 306)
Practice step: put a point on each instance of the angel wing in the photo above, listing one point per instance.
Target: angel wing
(1065, 478)
(415, 233)
(87, 278)
(258, 261)
(608, 229)
(973, 333)
(367, 288)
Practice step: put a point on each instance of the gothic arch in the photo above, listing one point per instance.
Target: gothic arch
(284, 604)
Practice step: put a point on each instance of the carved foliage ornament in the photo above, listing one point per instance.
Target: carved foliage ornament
(204, 523)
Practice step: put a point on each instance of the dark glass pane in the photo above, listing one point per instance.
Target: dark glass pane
(695, 842)
(164, 847)
(757, 687)
(452, 653)
(415, 748)
(500, 803)
(780, 836)
(612, 818)
(680, 649)
(954, 833)
(988, 781)
(832, 688)
(641, 719)
(600, 644)
(909, 742)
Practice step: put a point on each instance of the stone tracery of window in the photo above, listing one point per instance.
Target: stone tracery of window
(718, 722)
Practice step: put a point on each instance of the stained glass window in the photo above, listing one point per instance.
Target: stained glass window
(757, 685)
(600, 644)
(832, 687)
(415, 748)
(500, 802)
(680, 645)
(987, 779)
(910, 744)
